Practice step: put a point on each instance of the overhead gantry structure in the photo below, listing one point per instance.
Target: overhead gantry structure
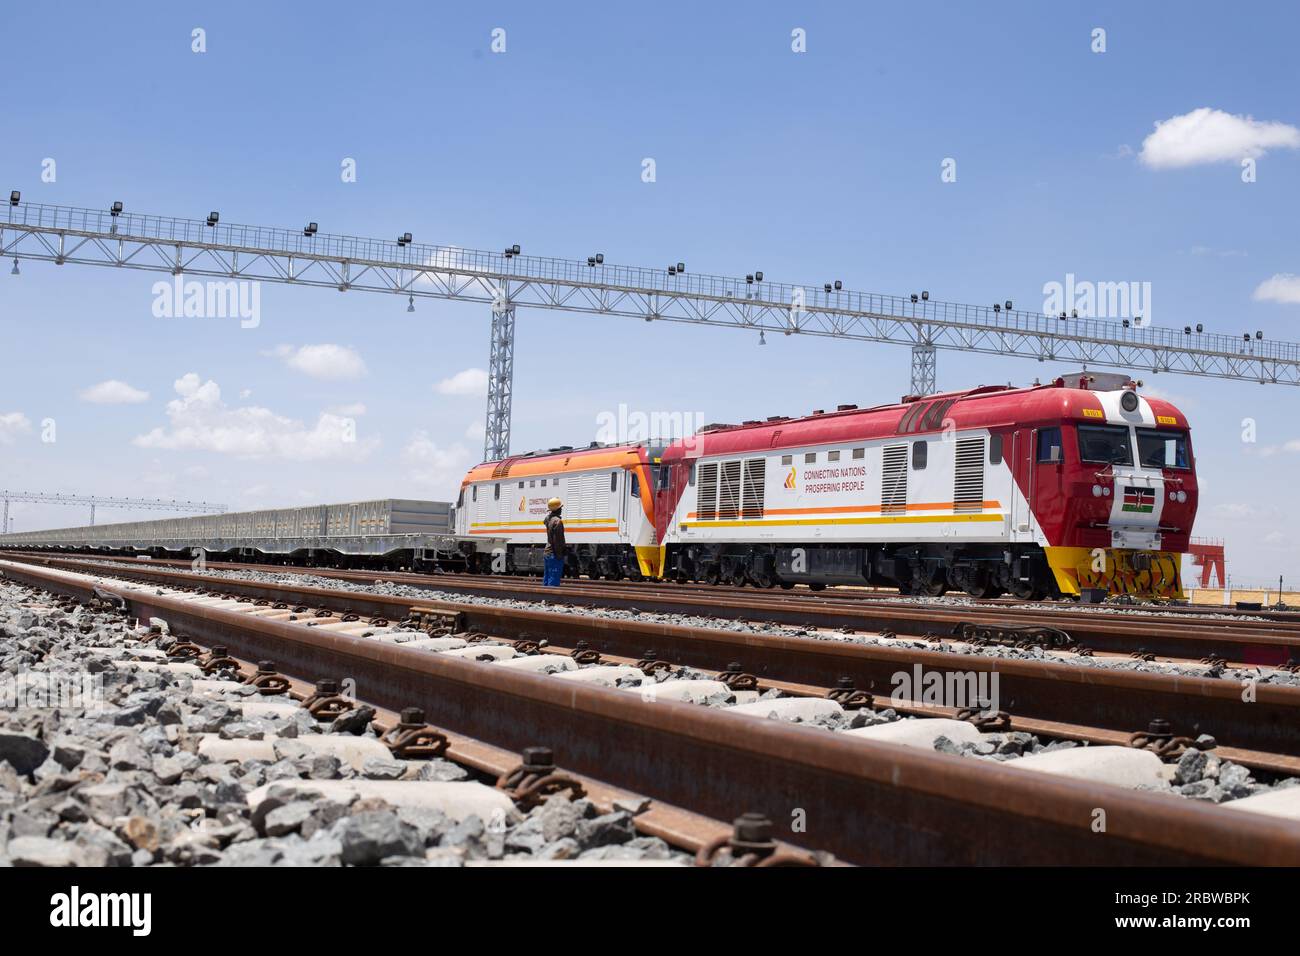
(139, 504)
(508, 280)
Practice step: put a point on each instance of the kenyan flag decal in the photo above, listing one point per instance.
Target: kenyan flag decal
(1139, 500)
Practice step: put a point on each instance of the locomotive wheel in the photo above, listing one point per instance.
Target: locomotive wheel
(787, 585)
(934, 588)
(712, 575)
(1025, 591)
(975, 583)
(817, 586)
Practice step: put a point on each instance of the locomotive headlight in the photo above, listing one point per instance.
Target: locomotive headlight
(1096, 491)
(1173, 496)
(1129, 401)
(1182, 497)
(1106, 491)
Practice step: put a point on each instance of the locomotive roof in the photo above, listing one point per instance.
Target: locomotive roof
(562, 459)
(988, 406)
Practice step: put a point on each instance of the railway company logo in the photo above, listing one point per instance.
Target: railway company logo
(523, 501)
(1139, 500)
(790, 479)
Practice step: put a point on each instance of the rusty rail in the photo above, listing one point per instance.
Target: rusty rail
(1170, 633)
(864, 801)
(1261, 717)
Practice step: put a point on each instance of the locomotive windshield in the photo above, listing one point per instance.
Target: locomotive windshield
(1162, 449)
(1105, 444)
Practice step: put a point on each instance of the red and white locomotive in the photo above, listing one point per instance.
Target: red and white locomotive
(1031, 491)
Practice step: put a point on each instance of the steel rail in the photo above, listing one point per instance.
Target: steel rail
(865, 802)
(1268, 643)
(1254, 716)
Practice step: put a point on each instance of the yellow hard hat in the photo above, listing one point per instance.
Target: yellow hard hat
(554, 503)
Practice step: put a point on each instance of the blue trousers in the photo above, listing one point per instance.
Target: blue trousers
(554, 571)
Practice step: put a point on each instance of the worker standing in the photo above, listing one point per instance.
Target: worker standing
(553, 556)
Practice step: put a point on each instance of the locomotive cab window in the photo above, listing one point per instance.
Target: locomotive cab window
(810, 458)
(995, 449)
(920, 454)
(1049, 444)
(690, 479)
(787, 459)
(859, 453)
(1105, 444)
(496, 491)
(833, 456)
(636, 486)
(613, 481)
(1162, 449)
(474, 493)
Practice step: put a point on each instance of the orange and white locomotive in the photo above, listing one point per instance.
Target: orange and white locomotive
(608, 509)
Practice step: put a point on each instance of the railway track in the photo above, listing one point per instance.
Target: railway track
(889, 804)
(1230, 638)
(1064, 700)
(832, 594)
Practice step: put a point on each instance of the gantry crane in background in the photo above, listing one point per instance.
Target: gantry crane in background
(143, 504)
(507, 280)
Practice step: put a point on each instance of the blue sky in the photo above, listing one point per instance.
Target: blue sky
(811, 166)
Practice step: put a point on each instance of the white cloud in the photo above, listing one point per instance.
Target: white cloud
(1178, 399)
(199, 420)
(13, 424)
(1212, 136)
(113, 392)
(1283, 287)
(1236, 510)
(354, 410)
(471, 381)
(440, 468)
(477, 430)
(1292, 446)
(327, 361)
